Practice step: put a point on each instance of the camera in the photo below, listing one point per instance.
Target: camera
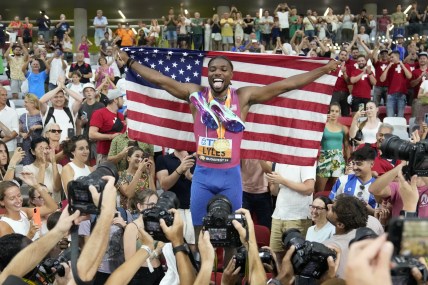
(416, 154)
(402, 272)
(47, 269)
(168, 200)
(79, 197)
(218, 222)
(241, 258)
(310, 258)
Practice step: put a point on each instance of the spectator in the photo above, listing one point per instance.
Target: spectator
(27, 33)
(36, 77)
(139, 175)
(84, 46)
(17, 218)
(143, 200)
(414, 17)
(84, 68)
(419, 77)
(309, 23)
(183, 36)
(363, 21)
(16, 62)
(8, 166)
(367, 128)
(127, 37)
(111, 61)
(332, 159)
(76, 86)
(45, 168)
(227, 25)
(171, 28)
(380, 63)
(373, 29)
(54, 44)
(67, 48)
(253, 45)
(322, 229)
(102, 90)
(14, 29)
(347, 214)
(105, 43)
(106, 124)
(53, 132)
(103, 71)
(174, 172)
(397, 74)
(248, 27)
(382, 164)
(207, 35)
(44, 24)
(256, 197)
(62, 27)
(383, 22)
(386, 188)
(358, 184)
(295, 185)
(100, 24)
(282, 11)
(347, 26)
(332, 24)
(216, 33)
(77, 150)
(341, 90)
(30, 125)
(154, 31)
(398, 19)
(363, 38)
(197, 25)
(295, 21)
(57, 66)
(266, 23)
(363, 80)
(59, 112)
(239, 25)
(9, 122)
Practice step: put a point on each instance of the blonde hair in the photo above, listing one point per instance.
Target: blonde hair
(48, 127)
(33, 99)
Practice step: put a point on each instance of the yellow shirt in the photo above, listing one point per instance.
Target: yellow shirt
(226, 27)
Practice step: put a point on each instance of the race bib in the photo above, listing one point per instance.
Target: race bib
(214, 150)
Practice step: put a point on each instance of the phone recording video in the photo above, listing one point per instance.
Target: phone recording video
(409, 236)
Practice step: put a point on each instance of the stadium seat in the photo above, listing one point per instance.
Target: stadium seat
(262, 235)
(381, 113)
(216, 277)
(347, 121)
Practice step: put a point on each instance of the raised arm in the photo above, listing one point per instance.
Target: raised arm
(254, 95)
(175, 88)
(380, 187)
(45, 99)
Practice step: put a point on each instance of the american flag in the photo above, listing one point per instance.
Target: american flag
(287, 129)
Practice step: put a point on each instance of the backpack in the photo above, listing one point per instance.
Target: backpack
(50, 115)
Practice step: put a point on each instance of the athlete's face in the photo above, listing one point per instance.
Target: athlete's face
(219, 75)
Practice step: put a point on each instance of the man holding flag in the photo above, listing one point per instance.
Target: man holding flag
(219, 112)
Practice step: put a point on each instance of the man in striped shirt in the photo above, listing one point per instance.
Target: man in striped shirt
(358, 183)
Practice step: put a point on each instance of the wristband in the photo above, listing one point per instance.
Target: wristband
(129, 62)
(146, 248)
(10, 167)
(178, 173)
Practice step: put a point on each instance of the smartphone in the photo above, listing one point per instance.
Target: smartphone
(409, 236)
(70, 133)
(253, 41)
(116, 215)
(37, 220)
(361, 107)
(19, 142)
(426, 118)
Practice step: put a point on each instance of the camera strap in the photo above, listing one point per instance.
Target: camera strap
(75, 255)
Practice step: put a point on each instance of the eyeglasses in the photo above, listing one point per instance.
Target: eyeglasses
(55, 131)
(316, 208)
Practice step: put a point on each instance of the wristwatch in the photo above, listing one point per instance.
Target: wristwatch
(184, 247)
(273, 282)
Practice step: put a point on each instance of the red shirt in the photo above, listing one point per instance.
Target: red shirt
(104, 120)
(363, 87)
(397, 79)
(341, 84)
(351, 65)
(383, 23)
(415, 74)
(380, 67)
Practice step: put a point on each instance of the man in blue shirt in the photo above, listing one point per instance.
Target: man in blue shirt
(358, 183)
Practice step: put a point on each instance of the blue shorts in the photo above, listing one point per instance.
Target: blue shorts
(171, 35)
(208, 182)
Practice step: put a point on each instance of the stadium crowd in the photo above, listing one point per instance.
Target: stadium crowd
(63, 118)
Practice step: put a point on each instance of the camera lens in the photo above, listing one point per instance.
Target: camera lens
(220, 207)
(293, 237)
(394, 147)
(168, 200)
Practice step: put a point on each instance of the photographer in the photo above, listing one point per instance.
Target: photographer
(386, 188)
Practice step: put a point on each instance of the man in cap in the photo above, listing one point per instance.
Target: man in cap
(419, 75)
(107, 123)
(381, 62)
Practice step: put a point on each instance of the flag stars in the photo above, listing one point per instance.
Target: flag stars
(160, 62)
(185, 54)
(174, 64)
(187, 79)
(167, 69)
(146, 59)
(173, 76)
(182, 59)
(153, 65)
(181, 71)
(195, 74)
(168, 57)
(197, 62)
(189, 67)
(155, 50)
(170, 52)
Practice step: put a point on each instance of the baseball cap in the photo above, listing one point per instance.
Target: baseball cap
(383, 50)
(113, 94)
(399, 36)
(423, 53)
(88, 85)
